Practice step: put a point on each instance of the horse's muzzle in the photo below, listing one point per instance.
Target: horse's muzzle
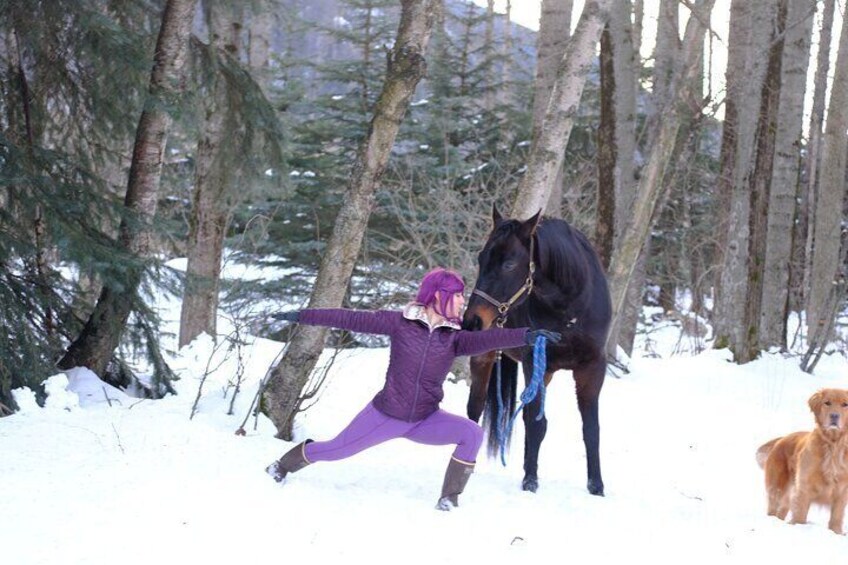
(472, 322)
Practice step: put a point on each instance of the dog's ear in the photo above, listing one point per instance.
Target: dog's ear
(815, 401)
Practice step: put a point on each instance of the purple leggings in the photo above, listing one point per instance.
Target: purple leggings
(371, 427)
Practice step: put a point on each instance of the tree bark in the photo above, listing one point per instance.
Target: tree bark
(406, 68)
(748, 47)
(489, 57)
(666, 55)
(802, 243)
(607, 154)
(649, 191)
(549, 142)
(820, 334)
(626, 65)
(95, 345)
(784, 177)
(214, 185)
(666, 61)
(760, 191)
(830, 202)
(260, 31)
(554, 33)
(506, 98)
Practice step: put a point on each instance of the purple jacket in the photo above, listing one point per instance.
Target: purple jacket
(420, 356)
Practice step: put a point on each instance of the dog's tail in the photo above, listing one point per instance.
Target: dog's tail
(763, 452)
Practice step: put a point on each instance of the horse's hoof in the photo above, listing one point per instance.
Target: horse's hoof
(595, 487)
(530, 484)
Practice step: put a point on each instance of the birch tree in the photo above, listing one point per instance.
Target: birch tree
(830, 202)
(282, 396)
(803, 236)
(649, 191)
(547, 150)
(617, 148)
(626, 39)
(489, 56)
(759, 190)
(751, 25)
(95, 345)
(554, 34)
(666, 60)
(505, 93)
(784, 183)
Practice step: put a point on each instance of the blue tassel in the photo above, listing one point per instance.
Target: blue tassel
(535, 388)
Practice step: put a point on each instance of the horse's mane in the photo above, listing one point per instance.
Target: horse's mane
(565, 256)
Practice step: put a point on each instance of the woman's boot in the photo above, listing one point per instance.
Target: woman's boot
(294, 460)
(456, 478)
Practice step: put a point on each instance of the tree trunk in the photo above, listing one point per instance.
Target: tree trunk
(638, 24)
(626, 62)
(820, 334)
(95, 345)
(549, 142)
(489, 57)
(607, 155)
(784, 176)
(554, 33)
(650, 187)
(831, 191)
(506, 98)
(760, 190)
(803, 236)
(748, 47)
(666, 60)
(666, 56)
(260, 31)
(405, 69)
(214, 184)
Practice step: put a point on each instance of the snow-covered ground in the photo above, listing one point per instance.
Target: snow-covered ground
(97, 477)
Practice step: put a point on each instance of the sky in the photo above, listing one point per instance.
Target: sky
(98, 477)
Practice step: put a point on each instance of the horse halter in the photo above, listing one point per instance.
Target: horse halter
(503, 307)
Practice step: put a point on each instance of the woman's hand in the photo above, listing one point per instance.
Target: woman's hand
(287, 316)
(551, 336)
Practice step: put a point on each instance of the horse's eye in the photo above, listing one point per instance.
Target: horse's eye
(827, 403)
(845, 404)
(509, 266)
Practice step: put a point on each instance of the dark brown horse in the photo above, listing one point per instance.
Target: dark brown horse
(541, 273)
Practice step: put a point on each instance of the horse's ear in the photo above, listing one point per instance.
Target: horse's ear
(528, 227)
(496, 215)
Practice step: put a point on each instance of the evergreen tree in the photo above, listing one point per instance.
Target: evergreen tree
(71, 75)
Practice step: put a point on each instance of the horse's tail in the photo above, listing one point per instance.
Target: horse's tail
(498, 413)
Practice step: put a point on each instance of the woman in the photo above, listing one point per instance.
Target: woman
(425, 339)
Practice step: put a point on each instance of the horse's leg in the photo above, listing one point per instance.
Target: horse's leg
(534, 432)
(481, 370)
(588, 381)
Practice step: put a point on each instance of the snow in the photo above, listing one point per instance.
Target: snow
(99, 477)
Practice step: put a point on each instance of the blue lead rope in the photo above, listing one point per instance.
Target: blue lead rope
(535, 388)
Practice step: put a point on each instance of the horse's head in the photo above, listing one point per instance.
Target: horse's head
(505, 271)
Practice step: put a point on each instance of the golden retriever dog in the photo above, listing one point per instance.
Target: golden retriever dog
(803, 468)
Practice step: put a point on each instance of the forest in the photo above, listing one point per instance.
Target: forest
(355, 144)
